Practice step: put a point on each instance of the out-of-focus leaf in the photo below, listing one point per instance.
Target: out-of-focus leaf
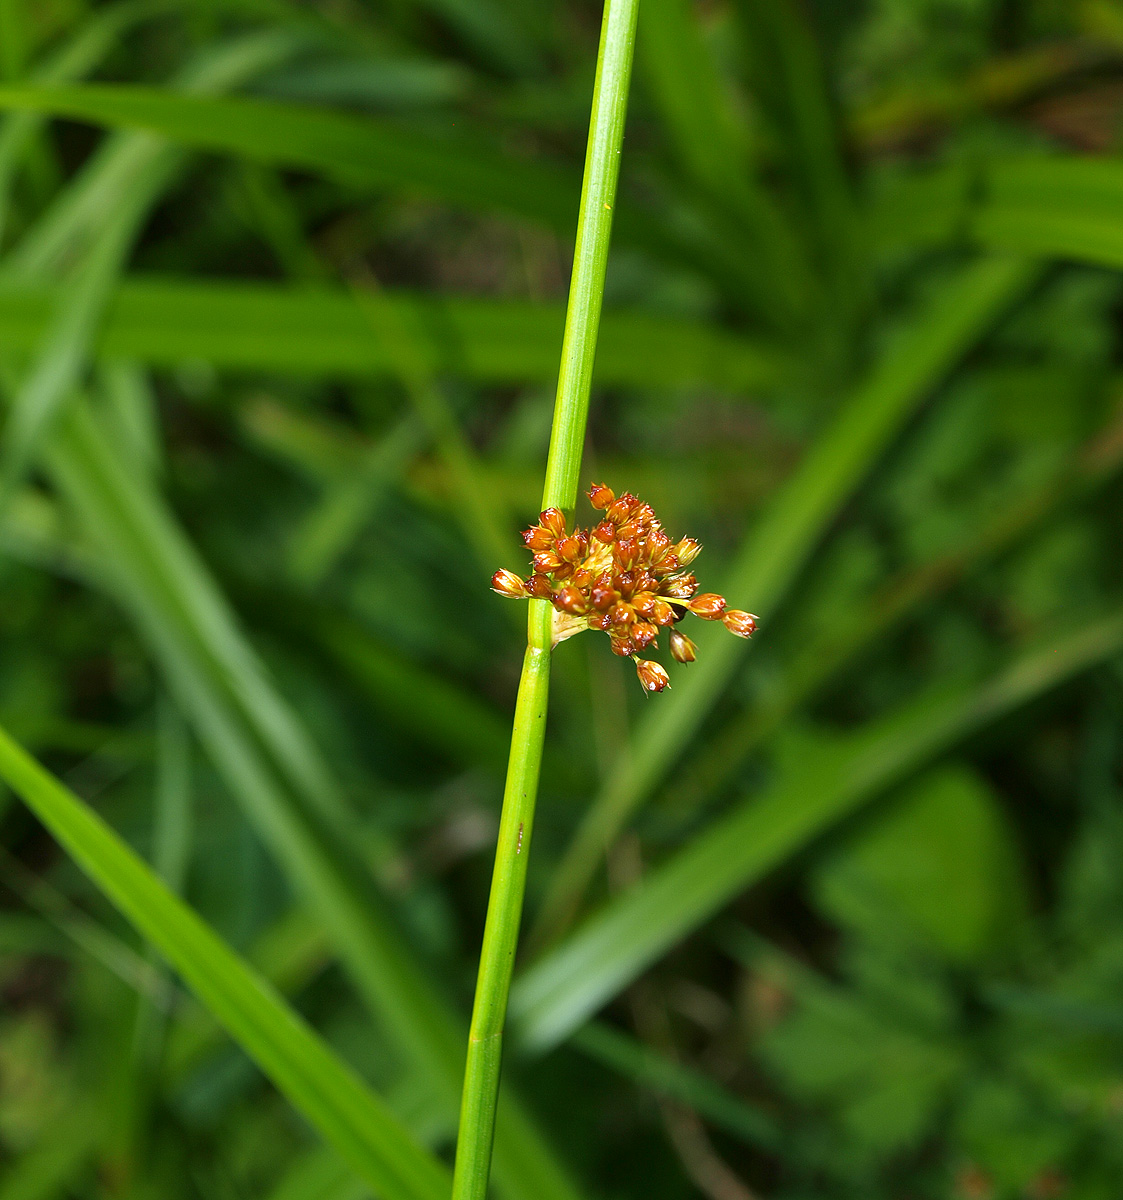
(1045, 207)
(557, 993)
(652, 1070)
(263, 327)
(940, 866)
(781, 541)
(272, 768)
(288, 1051)
(353, 149)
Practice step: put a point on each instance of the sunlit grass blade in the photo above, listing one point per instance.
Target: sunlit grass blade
(558, 993)
(326, 1092)
(249, 326)
(779, 544)
(479, 1102)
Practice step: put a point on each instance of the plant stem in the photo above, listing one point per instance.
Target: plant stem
(504, 912)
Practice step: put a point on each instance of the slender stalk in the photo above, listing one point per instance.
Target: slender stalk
(504, 912)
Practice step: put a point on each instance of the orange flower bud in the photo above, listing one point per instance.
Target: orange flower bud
(708, 606)
(621, 645)
(682, 587)
(601, 496)
(571, 600)
(537, 538)
(621, 509)
(507, 583)
(625, 552)
(539, 587)
(570, 548)
(546, 561)
(554, 521)
(662, 613)
(682, 648)
(651, 675)
(687, 550)
(643, 634)
(621, 614)
(743, 624)
(605, 532)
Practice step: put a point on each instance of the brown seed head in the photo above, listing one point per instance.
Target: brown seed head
(624, 577)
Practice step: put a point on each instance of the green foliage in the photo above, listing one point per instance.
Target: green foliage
(282, 295)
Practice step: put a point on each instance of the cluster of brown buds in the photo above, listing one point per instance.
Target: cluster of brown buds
(624, 576)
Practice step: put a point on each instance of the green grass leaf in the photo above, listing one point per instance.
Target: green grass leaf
(318, 1085)
(271, 767)
(557, 993)
(780, 543)
(352, 149)
(247, 326)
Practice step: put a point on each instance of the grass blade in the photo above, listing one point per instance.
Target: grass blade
(333, 1099)
(779, 545)
(352, 149)
(271, 767)
(249, 326)
(561, 990)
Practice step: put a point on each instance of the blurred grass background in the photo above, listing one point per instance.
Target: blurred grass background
(281, 296)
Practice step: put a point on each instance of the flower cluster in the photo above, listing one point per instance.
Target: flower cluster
(624, 576)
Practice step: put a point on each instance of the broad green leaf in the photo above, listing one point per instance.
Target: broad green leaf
(939, 865)
(780, 543)
(249, 326)
(332, 1098)
(557, 993)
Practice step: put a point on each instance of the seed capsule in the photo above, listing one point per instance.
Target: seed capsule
(601, 496)
(571, 600)
(743, 624)
(682, 648)
(709, 606)
(554, 520)
(653, 677)
(507, 583)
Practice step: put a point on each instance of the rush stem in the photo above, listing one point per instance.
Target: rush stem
(563, 467)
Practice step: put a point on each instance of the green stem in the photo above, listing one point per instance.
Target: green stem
(504, 911)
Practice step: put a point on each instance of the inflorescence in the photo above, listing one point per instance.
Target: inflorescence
(624, 576)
